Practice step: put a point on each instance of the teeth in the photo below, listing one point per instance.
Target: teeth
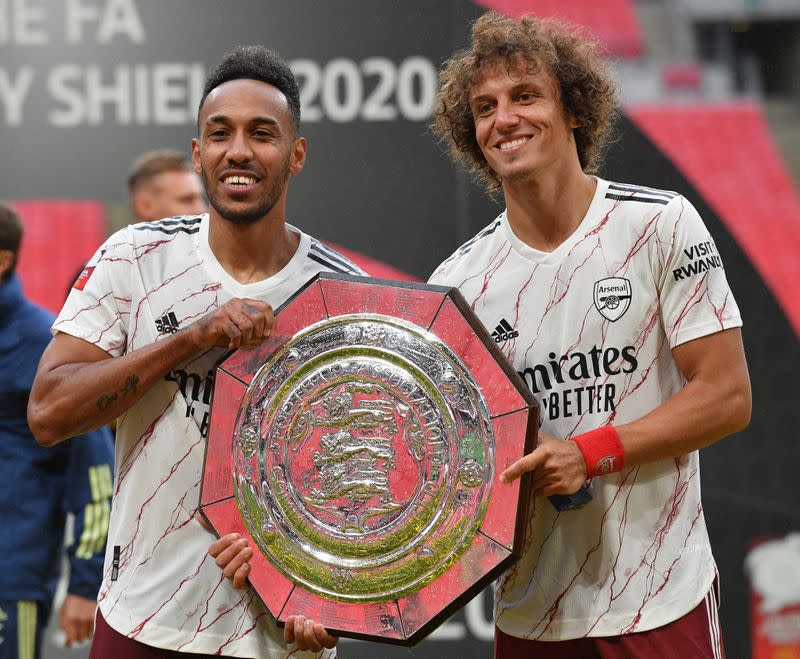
(239, 180)
(510, 145)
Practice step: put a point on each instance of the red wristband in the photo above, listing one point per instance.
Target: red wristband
(602, 451)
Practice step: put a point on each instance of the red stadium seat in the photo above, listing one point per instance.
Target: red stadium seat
(728, 154)
(374, 267)
(682, 75)
(612, 22)
(60, 236)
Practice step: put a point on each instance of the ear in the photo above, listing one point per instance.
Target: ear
(141, 204)
(572, 122)
(147, 206)
(196, 156)
(297, 158)
(6, 260)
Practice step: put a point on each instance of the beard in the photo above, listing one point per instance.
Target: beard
(258, 211)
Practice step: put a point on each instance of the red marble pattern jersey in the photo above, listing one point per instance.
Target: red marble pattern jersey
(160, 585)
(590, 328)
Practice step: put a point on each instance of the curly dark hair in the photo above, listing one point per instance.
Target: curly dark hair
(256, 63)
(585, 87)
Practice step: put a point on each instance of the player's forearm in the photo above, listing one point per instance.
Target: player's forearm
(74, 398)
(702, 412)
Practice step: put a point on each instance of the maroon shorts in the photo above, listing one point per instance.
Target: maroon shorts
(696, 635)
(108, 642)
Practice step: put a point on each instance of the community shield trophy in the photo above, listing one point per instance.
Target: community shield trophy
(359, 450)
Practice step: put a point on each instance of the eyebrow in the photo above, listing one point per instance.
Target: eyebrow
(481, 97)
(518, 86)
(224, 119)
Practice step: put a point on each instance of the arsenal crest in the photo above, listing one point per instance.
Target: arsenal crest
(612, 297)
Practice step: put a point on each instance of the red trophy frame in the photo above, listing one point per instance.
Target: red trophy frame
(359, 449)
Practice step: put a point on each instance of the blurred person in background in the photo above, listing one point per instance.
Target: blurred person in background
(163, 183)
(38, 487)
(611, 301)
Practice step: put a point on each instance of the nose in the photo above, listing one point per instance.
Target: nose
(505, 117)
(239, 149)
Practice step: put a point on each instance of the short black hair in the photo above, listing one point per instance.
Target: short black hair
(256, 63)
(10, 234)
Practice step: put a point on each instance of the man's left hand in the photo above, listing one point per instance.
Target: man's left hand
(77, 618)
(558, 467)
(307, 634)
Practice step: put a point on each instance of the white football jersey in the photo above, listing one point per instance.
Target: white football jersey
(160, 585)
(590, 327)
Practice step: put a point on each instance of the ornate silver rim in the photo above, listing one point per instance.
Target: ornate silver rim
(363, 458)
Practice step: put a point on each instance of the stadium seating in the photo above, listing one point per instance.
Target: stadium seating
(374, 267)
(60, 236)
(728, 154)
(613, 22)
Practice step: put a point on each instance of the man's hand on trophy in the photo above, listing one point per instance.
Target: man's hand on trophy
(558, 467)
(307, 634)
(232, 555)
(239, 322)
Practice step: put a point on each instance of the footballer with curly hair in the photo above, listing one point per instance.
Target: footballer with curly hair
(610, 300)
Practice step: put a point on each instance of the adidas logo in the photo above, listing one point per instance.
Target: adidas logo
(504, 332)
(167, 324)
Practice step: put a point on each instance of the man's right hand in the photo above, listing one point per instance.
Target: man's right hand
(232, 555)
(57, 409)
(557, 465)
(239, 322)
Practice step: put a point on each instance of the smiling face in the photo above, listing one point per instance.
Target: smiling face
(246, 150)
(520, 122)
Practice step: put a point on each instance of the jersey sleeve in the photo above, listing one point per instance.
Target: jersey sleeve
(88, 497)
(443, 274)
(694, 294)
(97, 309)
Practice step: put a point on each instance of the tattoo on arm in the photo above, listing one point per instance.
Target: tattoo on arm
(105, 400)
(130, 385)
